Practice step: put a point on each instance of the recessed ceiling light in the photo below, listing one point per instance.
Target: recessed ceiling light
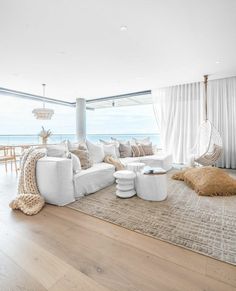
(61, 53)
(217, 62)
(123, 28)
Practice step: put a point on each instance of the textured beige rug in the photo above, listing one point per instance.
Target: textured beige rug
(205, 225)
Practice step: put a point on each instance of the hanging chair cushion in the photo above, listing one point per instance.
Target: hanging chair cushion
(208, 181)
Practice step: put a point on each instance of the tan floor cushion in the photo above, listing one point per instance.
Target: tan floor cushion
(208, 181)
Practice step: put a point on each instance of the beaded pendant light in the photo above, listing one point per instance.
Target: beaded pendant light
(43, 113)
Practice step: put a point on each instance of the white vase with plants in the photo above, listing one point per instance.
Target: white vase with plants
(44, 135)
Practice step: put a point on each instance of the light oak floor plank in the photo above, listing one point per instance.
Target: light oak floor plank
(13, 277)
(63, 249)
(174, 254)
(74, 280)
(93, 254)
(40, 265)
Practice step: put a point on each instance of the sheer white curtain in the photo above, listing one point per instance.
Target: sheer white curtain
(222, 113)
(179, 113)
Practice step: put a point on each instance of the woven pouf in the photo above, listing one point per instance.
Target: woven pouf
(125, 183)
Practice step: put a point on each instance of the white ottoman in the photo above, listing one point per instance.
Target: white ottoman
(125, 183)
(151, 187)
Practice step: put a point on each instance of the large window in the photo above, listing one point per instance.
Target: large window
(122, 122)
(18, 125)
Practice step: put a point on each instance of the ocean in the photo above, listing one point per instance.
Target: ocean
(57, 138)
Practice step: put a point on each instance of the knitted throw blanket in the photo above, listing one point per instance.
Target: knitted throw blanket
(29, 200)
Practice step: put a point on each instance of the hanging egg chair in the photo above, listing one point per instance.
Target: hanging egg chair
(208, 147)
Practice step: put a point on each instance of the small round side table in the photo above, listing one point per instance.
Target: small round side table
(125, 183)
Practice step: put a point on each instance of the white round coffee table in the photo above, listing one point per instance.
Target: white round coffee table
(125, 183)
(151, 187)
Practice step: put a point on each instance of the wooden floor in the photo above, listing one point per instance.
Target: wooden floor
(62, 249)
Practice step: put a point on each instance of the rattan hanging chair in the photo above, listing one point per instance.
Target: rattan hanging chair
(208, 147)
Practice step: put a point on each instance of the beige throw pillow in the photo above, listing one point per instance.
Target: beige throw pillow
(147, 149)
(115, 162)
(125, 150)
(137, 151)
(83, 154)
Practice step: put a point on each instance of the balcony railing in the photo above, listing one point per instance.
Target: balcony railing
(57, 138)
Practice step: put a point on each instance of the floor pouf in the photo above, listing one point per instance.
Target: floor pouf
(125, 183)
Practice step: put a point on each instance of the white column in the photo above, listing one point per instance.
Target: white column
(81, 119)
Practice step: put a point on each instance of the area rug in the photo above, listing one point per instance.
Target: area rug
(205, 225)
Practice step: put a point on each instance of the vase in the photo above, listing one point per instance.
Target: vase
(44, 140)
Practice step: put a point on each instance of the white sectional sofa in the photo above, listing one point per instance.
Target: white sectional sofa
(60, 186)
(161, 160)
(93, 179)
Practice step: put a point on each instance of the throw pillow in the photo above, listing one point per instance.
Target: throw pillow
(113, 142)
(110, 150)
(57, 150)
(209, 181)
(83, 154)
(147, 149)
(137, 151)
(96, 152)
(72, 146)
(125, 150)
(115, 162)
(145, 141)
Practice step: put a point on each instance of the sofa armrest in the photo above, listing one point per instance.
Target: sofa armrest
(55, 180)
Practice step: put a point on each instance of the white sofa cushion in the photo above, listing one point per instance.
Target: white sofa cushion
(114, 142)
(72, 146)
(128, 160)
(161, 160)
(96, 151)
(57, 150)
(93, 179)
(110, 150)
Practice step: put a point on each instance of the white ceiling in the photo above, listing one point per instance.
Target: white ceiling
(77, 49)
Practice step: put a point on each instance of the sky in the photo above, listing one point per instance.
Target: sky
(16, 118)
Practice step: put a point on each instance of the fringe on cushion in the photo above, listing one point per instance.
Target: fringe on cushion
(179, 175)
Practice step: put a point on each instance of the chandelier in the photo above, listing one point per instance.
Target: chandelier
(43, 113)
